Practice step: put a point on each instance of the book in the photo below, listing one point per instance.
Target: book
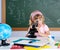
(16, 47)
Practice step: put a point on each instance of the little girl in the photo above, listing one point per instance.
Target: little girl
(42, 28)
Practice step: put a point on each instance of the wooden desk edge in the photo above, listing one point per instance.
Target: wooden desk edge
(25, 29)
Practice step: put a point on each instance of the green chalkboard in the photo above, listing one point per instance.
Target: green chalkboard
(18, 12)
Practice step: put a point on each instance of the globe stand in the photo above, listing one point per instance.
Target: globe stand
(3, 43)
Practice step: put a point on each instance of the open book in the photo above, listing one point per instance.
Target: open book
(36, 42)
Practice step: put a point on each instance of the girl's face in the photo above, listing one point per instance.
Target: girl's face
(39, 19)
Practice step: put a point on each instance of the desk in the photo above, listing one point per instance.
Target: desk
(26, 47)
(10, 40)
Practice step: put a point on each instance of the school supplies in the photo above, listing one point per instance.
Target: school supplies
(51, 39)
(39, 48)
(17, 47)
(57, 44)
(35, 42)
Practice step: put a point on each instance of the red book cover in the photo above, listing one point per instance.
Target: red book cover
(17, 47)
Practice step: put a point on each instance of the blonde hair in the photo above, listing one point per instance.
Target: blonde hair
(34, 15)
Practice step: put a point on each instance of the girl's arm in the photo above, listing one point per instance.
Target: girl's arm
(42, 34)
(46, 34)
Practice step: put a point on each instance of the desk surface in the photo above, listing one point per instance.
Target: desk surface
(15, 38)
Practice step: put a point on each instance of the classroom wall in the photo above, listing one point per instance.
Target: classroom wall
(0, 10)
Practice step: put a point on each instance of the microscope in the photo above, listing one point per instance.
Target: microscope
(33, 30)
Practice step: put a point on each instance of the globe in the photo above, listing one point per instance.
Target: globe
(5, 31)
